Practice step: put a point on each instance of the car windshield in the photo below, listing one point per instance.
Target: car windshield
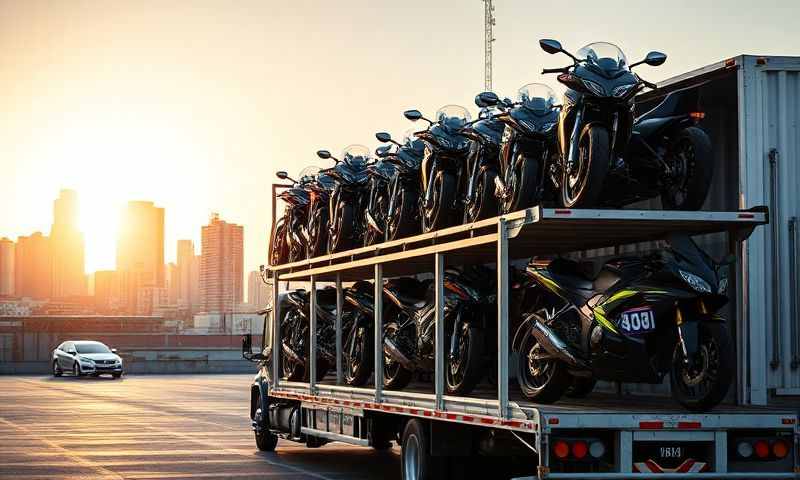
(537, 97)
(356, 154)
(605, 56)
(91, 347)
(453, 116)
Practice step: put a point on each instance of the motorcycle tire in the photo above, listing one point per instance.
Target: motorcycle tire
(523, 186)
(405, 221)
(442, 213)
(594, 155)
(395, 376)
(317, 232)
(580, 387)
(550, 380)
(371, 236)
(341, 237)
(462, 376)
(358, 369)
(279, 249)
(293, 371)
(690, 153)
(485, 204)
(715, 355)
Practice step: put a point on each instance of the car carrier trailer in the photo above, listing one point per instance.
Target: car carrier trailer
(602, 437)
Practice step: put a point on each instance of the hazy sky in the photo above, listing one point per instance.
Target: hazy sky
(194, 104)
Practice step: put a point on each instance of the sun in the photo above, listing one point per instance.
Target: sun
(99, 222)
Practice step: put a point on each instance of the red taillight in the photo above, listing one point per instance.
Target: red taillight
(698, 115)
(580, 449)
(561, 449)
(761, 448)
(780, 449)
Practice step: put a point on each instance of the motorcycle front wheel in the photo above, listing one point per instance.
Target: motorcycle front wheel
(279, 249)
(343, 231)
(583, 183)
(703, 384)
(292, 366)
(372, 236)
(358, 357)
(404, 222)
(692, 167)
(395, 375)
(521, 185)
(464, 369)
(484, 205)
(541, 377)
(317, 232)
(440, 213)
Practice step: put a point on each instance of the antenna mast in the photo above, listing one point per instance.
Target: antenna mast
(488, 23)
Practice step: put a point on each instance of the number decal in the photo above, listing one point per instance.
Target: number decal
(637, 321)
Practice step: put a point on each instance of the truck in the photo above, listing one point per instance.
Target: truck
(754, 434)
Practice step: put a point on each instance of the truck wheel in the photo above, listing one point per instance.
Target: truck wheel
(417, 461)
(703, 385)
(266, 441)
(692, 165)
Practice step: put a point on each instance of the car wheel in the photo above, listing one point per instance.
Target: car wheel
(76, 370)
(56, 370)
(116, 375)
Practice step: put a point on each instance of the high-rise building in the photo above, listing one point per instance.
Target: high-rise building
(67, 247)
(257, 291)
(140, 251)
(106, 291)
(188, 275)
(221, 266)
(33, 267)
(7, 248)
(172, 281)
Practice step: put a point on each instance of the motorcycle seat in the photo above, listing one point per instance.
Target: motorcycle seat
(574, 275)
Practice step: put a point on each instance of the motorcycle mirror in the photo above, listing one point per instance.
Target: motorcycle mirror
(383, 137)
(282, 175)
(486, 99)
(412, 115)
(324, 154)
(383, 151)
(551, 46)
(653, 59)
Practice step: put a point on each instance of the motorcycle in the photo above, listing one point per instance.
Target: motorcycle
(409, 336)
(636, 320)
(403, 211)
(380, 175)
(485, 134)
(528, 146)
(295, 333)
(346, 231)
(289, 236)
(443, 170)
(318, 213)
(596, 119)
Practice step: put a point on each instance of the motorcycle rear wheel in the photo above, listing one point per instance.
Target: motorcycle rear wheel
(279, 249)
(706, 383)
(466, 370)
(358, 368)
(441, 213)
(581, 188)
(317, 232)
(692, 160)
(540, 380)
(485, 204)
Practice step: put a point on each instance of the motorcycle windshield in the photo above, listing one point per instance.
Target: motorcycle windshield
(452, 117)
(604, 57)
(691, 258)
(325, 181)
(537, 97)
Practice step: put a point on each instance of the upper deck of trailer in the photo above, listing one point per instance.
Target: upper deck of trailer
(535, 231)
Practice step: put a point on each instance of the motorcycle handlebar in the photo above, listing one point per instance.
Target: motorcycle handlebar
(648, 84)
(555, 70)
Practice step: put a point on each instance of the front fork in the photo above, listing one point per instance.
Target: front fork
(688, 337)
(575, 138)
(429, 186)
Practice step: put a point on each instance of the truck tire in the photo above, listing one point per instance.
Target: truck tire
(266, 441)
(417, 463)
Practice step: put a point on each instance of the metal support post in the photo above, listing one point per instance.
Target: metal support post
(339, 306)
(439, 371)
(276, 331)
(311, 361)
(502, 318)
(378, 331)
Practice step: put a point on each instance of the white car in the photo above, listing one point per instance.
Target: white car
(84, 357)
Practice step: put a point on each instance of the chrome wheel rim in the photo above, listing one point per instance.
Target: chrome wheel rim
(411, 458)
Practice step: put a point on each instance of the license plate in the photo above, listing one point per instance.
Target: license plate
(637, 321)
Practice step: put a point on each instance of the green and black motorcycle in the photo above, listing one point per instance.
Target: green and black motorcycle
(636, 320)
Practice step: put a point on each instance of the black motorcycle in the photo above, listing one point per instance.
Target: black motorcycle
(635, 320)
(409, 334)
(380, 173)
(318, 213)
(295, 333)
(348, 198)
(485, 134)
(289, 236)
(402, 216)
(443, 172)
(596, 117)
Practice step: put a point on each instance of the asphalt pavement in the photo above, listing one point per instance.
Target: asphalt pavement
(157, 427)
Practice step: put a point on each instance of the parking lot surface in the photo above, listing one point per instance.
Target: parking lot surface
(154, 427)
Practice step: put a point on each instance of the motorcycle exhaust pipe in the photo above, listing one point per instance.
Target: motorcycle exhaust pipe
(373, 224)
(390, 349)
(551, 342)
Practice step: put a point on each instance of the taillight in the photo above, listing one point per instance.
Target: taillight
(561, 449)
(761, 448)
(744, 449)
(580, 449)
(780, 449)
(697, 116)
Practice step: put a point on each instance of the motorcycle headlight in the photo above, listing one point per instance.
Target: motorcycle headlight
(445, 142)
(622, 90)
(548, 126)
(697, 283)
(594, 87)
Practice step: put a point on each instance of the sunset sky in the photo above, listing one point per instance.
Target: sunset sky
(194, 104)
